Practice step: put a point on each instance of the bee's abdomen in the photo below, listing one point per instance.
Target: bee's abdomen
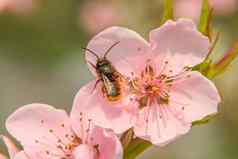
(114, 92)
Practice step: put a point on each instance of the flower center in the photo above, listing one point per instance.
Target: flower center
(152, 91)
(150, 88)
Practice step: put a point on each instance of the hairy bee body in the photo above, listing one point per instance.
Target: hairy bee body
(108, 75)
(110, 78)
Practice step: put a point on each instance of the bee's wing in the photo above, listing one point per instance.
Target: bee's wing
(107, 84)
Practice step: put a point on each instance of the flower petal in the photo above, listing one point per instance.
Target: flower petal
(196, 96)
(159, 125)
(3, 156)
(12, 149)
(179, 42)
(21, 155)
(103, 113)
(41, 129)
(84, 151)
(105, 142)
(122, 55)
(109, 145)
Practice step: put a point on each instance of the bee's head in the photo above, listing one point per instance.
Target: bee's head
(102, 62)
(104, 66)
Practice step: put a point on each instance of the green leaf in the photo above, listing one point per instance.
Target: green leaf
(127, 137)
(204, 25)
(221, 66)
(204, 120)
(135, 148)
(168, 11)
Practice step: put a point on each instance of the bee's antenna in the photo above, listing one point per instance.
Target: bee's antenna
(108, 50)
(92, 52)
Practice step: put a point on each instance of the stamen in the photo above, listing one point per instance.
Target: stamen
(152, 91)
(88, 130)
(61, 145)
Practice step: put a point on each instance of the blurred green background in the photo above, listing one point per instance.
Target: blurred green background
(41, 61)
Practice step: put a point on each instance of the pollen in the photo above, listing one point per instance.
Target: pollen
(152, 87)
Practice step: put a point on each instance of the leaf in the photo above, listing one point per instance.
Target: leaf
(204, 25)
(127, 137)
(221, 66)
(168, 11)
(135, 148)
(204, 120)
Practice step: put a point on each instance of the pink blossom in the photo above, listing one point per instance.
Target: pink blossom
(192, 8)
(13, 151)
(17, 6)
(48, 133)
(162, 95)
(96, 16)
(2, 156)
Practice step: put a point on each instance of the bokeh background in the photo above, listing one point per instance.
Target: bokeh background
(41, 61)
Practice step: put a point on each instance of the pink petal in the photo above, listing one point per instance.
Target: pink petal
(39, 128)
(21, 155)
(84, 151)
(12, 149)
(109, 145)
(196, 96)
(122, 55)
(2, 156)
(180, 43)
(162, 127)
(108, 115)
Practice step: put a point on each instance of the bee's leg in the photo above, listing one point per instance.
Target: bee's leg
(95, 85)
(90, 63)
(103, 92)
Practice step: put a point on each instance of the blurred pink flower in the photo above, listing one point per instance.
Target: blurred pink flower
(192, 8)
(13, 151)
(164, 96)
(46, 132)
(96, 16)
(2, 156)
(17, 6)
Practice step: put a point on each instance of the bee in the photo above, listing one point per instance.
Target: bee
(107, 74)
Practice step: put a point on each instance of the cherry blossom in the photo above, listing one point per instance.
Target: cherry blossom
(46, 132)
(162, 96)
